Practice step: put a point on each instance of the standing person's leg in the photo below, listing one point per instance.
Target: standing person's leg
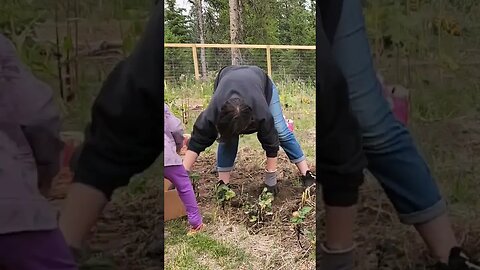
(39, 250)
(391, 152)
(179, 177)
(340, 157)
(226, 155)
(288, 141)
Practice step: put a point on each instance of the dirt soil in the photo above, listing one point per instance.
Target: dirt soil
(129, 223)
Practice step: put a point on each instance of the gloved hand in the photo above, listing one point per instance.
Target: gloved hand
(271, 182)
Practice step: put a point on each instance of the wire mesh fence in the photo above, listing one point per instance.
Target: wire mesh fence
(202, 61)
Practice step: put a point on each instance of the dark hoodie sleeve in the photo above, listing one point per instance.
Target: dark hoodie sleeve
(125, 135)
(204, 132)
(268, 137)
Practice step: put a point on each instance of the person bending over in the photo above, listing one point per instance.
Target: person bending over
(245, 101)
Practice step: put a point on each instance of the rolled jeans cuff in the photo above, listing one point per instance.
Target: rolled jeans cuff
(298, 160)
(426, 215)
(224, 169)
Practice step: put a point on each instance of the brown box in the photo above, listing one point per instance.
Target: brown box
(173, 206)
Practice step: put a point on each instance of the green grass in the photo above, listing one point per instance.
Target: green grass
(189, 250)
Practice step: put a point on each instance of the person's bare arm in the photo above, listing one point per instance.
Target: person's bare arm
(203, 135)
(189, 160)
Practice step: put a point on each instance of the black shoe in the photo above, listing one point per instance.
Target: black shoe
(458, 260)
(309, 179)
(272, 189)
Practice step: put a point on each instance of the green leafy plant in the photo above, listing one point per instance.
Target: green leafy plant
(195, 177)
(265, 202)
(298, 217)
(258, 212)
(224, 194)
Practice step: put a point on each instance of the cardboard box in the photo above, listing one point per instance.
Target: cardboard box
(173, 206)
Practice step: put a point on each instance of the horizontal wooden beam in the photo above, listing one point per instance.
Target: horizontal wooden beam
(239, 46)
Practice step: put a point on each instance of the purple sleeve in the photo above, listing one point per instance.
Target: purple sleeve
(174, 126)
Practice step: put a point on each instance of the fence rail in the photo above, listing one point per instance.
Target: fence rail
(266, 48)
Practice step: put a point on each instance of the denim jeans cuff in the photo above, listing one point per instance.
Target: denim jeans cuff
(224, 169)
(426, 215)
(298, 160)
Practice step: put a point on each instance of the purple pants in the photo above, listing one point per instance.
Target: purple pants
(179, 177)
(36, 250)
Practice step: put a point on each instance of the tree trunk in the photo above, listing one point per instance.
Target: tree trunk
(235, 30)
(199, 9)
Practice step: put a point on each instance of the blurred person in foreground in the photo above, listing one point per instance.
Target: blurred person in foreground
(385, 142)
(30, 149)
(123, 139)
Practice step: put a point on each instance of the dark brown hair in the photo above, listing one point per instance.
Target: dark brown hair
(234, 118)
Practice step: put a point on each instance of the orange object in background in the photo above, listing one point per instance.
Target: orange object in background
(172, 204)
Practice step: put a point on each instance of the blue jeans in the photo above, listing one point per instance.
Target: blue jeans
(227, 151)
(392, 156)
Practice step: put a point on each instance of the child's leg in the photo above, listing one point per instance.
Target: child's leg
(39, 250)
(179, 177)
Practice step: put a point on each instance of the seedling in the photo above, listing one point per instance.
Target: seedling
(224, 193)
(195, 177)
(260, 210)
(265, 202)
(298, 217)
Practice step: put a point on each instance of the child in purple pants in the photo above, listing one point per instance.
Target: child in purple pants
(30, 150)
(176, 173)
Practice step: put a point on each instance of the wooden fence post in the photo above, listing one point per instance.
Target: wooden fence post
(268, 49)
(195, 62)
(269, 61)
